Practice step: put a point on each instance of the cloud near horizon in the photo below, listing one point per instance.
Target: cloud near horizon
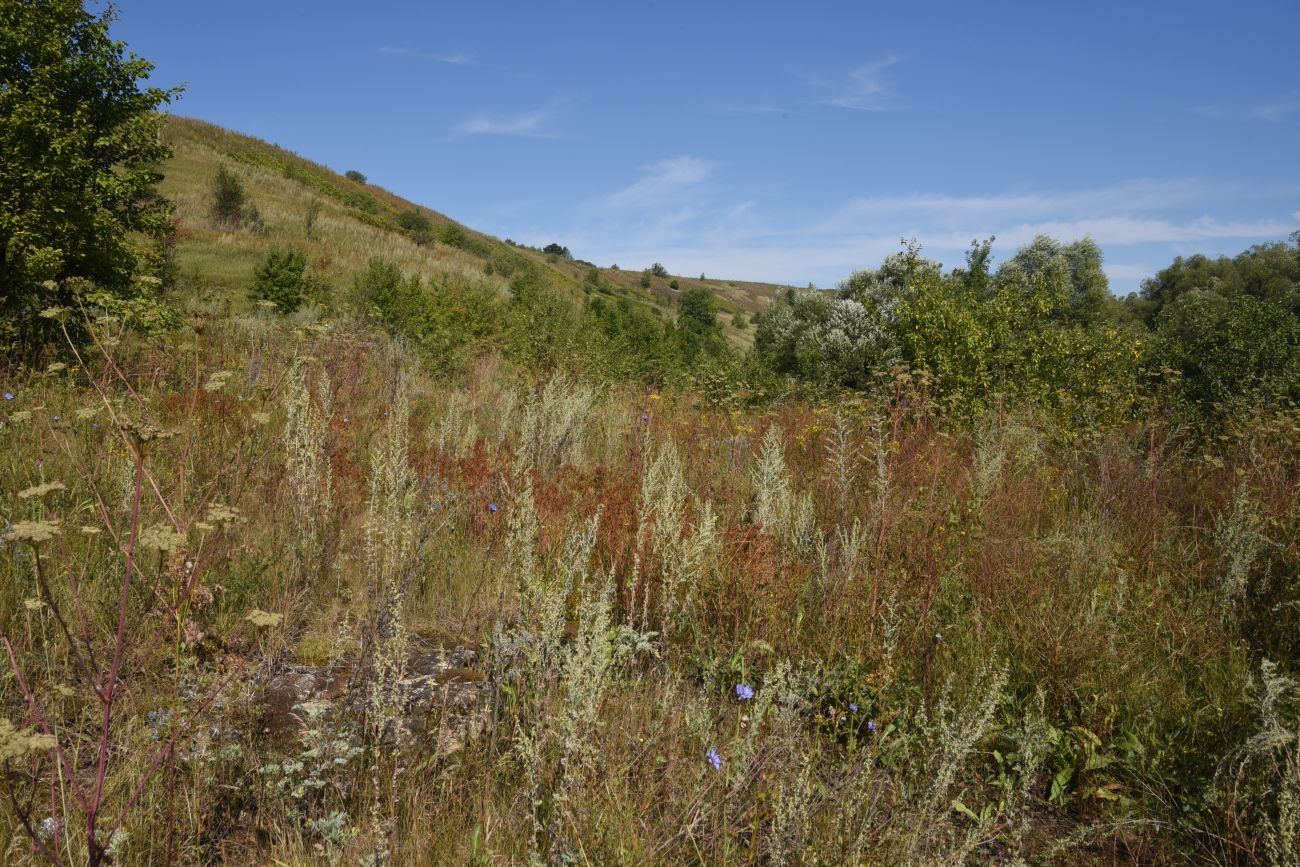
(672, 215)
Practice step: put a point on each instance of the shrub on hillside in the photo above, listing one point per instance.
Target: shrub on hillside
(229, 200)
(417, 225)
(279, 280)
(440, 318)
(452, 235)
(354, 175)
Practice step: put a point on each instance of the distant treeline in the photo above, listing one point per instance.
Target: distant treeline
(1204, 336)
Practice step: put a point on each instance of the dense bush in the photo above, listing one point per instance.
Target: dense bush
(1043, 329)
(1215, 335)
(418, 225)
(229, 200)
(1226, 331)
(441, 319)
(354, 175)
(280, 280)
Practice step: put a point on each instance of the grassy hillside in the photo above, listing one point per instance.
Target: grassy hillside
(359, 221)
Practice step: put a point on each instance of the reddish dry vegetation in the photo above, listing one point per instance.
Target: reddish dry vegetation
(964, 643)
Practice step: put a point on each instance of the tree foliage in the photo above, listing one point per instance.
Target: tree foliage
(1042, 329)
(1227, 330)
(79, 148)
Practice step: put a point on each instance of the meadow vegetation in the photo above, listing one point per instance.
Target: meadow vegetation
(977, 566)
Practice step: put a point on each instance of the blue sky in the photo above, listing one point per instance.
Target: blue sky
(774, 141)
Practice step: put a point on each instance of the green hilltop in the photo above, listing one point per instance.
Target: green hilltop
(358, 221)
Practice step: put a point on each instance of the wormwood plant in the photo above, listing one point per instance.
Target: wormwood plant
(554, 425)
(786, 515)
(1264, 773)
(1239, 541)
(306, 433)
(664, 548)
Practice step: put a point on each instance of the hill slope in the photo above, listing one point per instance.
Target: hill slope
(358, 221)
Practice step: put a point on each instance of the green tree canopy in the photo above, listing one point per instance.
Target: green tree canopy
(699, 313)
(78, 150)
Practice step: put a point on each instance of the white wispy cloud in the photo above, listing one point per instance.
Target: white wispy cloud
(527, 124)
(687, 218)
(452, 57)
(862, 89)
(663, 181)
(1274, 111)
(1279, 110)
(752, 108)
(1140, 195)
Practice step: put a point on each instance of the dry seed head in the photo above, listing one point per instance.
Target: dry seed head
(33, 531)
(41, 490)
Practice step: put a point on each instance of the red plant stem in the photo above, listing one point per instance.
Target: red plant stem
(109, 695)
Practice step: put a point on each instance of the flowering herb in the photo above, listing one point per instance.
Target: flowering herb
(9, 395)
(871, 726)
(744, 692)
(853, 707)
(492, 507)
(715, 758)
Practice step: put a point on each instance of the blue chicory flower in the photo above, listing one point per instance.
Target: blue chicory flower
(9, 395)
(492, 507)
(744, 692)
(853, 707)
(871, 726)
(715, 759)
